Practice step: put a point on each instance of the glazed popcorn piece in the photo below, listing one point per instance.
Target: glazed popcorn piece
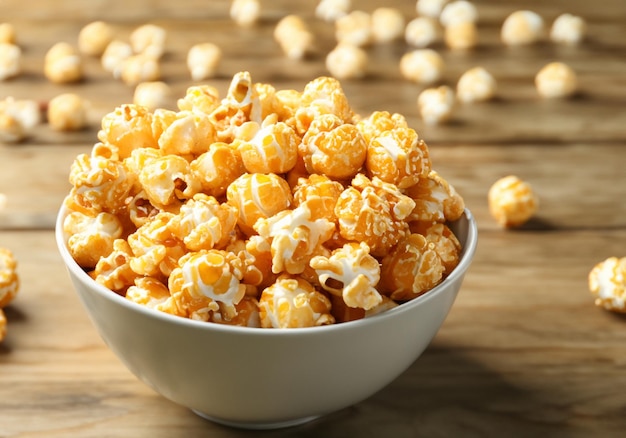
(128, 127)
(435, 200)
(512, 201)
(9, 280)
(568, 29)
(294, 237)
(18, 117)
(204, 223)
(152, 95)
(321, 96)
(352, 273)
(461, 35)
(168, 181)
(149, 40)
(208, 281)
(10, 61)
(354, 28)
(217, 168)
(151, 292)
(67, 112)
(139, 68)
(373, 212)
(556, 80)
(245, 12)
(62, 64)
(7, 33)
(293, 302)
(398, 157)
(94, 38)
(410, 269)
(113, 271)
(446, 244)
(256, 255)
(184, 133)
(331, 10)
(458, 11)
(199, 98)
(436, 105)
(343, 313)
(258, 195)
(379, 122)
(422, 32)
(114, 55)
(272, 149)
(387, 24)
(203, 60)
(320, 193)
(476, 85)
(11, 130)
(333, 148)
(424, 66)
(247, 314)
(607, 283)
(430, 8)
(294, 37)
(347, 61)
(522, 28)
(91, 237)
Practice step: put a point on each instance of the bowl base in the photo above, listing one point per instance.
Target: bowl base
(255, 425)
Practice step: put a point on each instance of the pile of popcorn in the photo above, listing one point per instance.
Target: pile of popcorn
(9, 285)
(267, 208)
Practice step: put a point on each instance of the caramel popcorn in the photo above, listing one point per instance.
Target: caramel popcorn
(568, 29)
(18, 117)
(148, 40)
(203, 60)
(430, 8)
(556, 80)
(458, 11)
(293, 302)
(9, 285)
(347, 61)
(114, 55)
(94, 38)
(265, 208)
(424, 66)
(354, 28)
(151, 94)
(7, 33)
(10, 61)
(607, 283)
(245, 12)
(422, 32)
(436, 105)
(461, 35)
(387, 24)
(294, 37)
(62, 64)
(476, 85)
(512, 201)
(522, 28)
(331, 10)
(139, 68)
(67, 112)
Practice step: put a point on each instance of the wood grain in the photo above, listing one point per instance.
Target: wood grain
(524, 352)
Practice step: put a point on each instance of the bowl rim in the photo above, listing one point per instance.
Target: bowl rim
(467, 255)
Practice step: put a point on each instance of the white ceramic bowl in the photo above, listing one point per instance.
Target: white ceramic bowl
(267, 378)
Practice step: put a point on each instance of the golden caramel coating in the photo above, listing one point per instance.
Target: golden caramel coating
(128, 127)
(189, 133)
(422, 32)
(258, 195)
(200, 98)
(152, 94)
(436, 104)
(247, 314)
(91, 237)
(379, 122)
(152, 293)
(168, 180)
(208, 281)
(387, 24)
(320, 193)
(294, 37)
(245, 12)
(62, 64)
(354, 28)
(476, 85)
(458, 11)
(94, 38)
(522, 28)
(320, 96)
(9, 279)
(294, 237)
(256, 255)
(512, 201)
(99, 184)
(411, 268)
(10, 61)
(347, 61)
(343, 313)
(568, 29)
(114, 55)
(435, 199)
(140, 210)
(331, 10)
(204, 223)
(203, 60)
(423, 66)
(398, 157)
(350, 272)
(446, 244)
(293, 302)
(607, 283)
(149, 40)
(139, 68)
(113, 271)
(461, 35)
(556, 80)
(217, 168)
(273, 149)
(373, 212)
(67, 112)
(333, 148)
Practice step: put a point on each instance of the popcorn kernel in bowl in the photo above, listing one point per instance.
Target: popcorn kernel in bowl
(267, 208)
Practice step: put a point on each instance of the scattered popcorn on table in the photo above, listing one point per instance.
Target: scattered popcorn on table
(63, 64)
(430, 8)
(424, 66)
(422, 32)
(11, 130)
(148, 40)
(294, 37)
(139, 68)
(67, 112)
(607, 283)
(556, 80)
(203, 60)
(94, 38)
(245, 12)
(265, 208)
(18, 117)
(387, 24)
(7, 33)
(354, 28)
(476, 85)
(436, 105)
(152, 95)
(10, 61)
(9, 285)
(512, 201)
(458, 11)
(346, 61)
(461, 35)
(522, 28)
(331, 10)
(568, 29)
(114, 55)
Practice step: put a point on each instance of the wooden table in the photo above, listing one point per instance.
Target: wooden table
(524, 352)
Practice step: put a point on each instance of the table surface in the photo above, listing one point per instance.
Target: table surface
(524, 351)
